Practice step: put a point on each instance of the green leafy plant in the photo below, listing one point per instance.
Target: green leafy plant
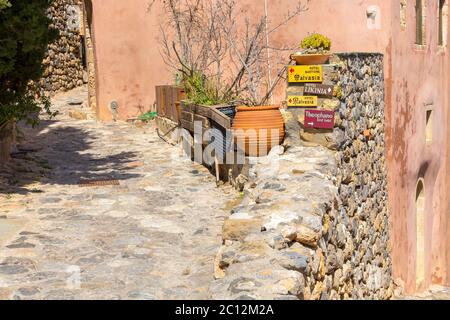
(317, 42)
(24, 36)
(201, 90)
(148, 116)
(4, 4)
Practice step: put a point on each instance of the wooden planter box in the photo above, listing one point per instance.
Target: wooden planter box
(168, 99)
(210, 117)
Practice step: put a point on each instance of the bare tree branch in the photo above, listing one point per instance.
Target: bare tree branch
(205, 38)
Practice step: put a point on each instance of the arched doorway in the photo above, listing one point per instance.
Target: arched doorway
(420, 234)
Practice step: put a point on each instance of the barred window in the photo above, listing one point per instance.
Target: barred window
(420, 22)
(443, 22)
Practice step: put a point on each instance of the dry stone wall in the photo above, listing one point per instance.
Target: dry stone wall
(314, 222)
(358, 261)
(63, 62)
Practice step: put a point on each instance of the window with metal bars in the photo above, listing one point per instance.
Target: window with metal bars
(442, 27)
(419, 22)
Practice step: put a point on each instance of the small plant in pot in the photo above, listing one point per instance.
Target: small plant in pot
(315, 50)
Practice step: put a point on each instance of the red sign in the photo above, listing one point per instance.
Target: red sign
(319, 119)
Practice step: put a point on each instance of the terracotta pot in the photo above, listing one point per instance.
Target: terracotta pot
(258, 129)
(310, 59)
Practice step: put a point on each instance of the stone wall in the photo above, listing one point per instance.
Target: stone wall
(63, 62)
(358, 247)
(314, 222)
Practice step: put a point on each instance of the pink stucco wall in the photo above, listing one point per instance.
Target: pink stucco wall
(129, 66)
(419, 82)
(128, 62)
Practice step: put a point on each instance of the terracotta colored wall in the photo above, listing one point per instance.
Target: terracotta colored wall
(419, 78)
(344, 22)
(127, 57)
(129, 64)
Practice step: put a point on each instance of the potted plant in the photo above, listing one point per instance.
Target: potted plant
(315, 50)
(257, 129)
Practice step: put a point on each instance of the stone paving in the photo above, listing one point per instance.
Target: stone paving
(154, 236)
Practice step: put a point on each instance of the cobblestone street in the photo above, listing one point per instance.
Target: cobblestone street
(153, 236)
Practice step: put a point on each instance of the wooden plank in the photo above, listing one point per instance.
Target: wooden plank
(221, 119)
(188, 125)
(204, 120)
(204, 111)
(178, 110)
(174, 102)
(158, 99)
(187, 116)
(171, 104)
(191, 107)
(164, 101)
(216, 162)
(179, 95)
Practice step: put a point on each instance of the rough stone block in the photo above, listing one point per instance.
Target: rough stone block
(307, 236)
(238, 229)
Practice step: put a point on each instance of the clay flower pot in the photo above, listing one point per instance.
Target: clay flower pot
(310, 59)
(258, 129)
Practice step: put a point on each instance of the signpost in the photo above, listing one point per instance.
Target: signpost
(318, 89)
(302, 101)
(319, 119)
(300, 74)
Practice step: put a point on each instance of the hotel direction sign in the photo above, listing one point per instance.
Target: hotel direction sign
(302, 101)
(317, 89)
(305, 74)
(319, 119)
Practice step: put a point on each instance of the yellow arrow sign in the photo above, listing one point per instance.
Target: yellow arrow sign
(305, 74)
(302, 101)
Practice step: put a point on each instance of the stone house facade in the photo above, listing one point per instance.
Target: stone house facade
(412, 35)
(65, 63)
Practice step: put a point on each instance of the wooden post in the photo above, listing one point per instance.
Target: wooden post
(216, 161)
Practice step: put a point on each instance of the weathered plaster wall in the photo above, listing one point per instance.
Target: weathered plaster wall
(127, 50)
(128, 63)
(345, 22)
(419, 82)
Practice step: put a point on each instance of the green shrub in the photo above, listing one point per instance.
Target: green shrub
(201, 90)
(316, 41)
(4, 4)
(24, 36)
(148, 116)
